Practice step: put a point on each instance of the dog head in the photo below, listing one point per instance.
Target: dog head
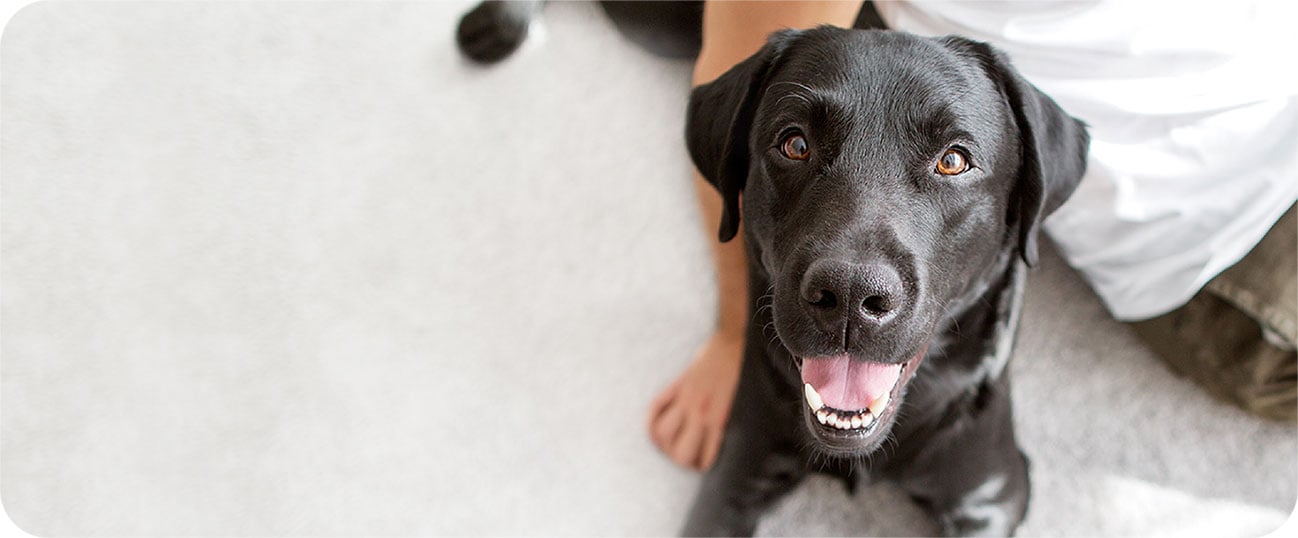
(883, 175)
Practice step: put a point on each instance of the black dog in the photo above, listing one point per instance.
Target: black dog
(893, 187)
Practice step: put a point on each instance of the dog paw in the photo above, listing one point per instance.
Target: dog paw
(494, 29)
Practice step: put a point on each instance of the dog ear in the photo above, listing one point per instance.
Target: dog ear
(1054, 145)
(718, 123)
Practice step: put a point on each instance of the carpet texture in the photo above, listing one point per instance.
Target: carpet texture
(297, 268)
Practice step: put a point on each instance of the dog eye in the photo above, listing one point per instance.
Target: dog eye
(795, 147)
(953, 162)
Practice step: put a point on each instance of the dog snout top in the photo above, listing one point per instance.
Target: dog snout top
(838, 293)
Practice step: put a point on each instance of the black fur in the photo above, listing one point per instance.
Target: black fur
(865, 250)
(495, 29)
(878, 110)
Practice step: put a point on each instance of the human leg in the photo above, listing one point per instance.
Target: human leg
(1236, 336)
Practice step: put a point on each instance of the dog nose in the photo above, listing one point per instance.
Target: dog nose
(838, 292)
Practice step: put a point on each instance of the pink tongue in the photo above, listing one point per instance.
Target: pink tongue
(846, 384)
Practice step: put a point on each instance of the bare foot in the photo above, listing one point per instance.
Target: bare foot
(687, 418)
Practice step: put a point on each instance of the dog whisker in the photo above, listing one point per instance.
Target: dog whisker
(803, 92)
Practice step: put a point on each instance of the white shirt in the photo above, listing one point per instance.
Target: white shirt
(1193, 113)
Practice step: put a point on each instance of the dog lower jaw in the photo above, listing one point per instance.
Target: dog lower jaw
(849, 420)
(859, 439)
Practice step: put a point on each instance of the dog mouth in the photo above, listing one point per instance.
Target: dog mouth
(851, 403)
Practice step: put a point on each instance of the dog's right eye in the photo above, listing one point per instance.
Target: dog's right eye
(795, 147)
(953, 162)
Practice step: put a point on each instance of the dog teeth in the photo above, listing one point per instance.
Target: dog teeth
(813, 397)
(879, 405)
(842, 420)
(845, 420)
(866, 419)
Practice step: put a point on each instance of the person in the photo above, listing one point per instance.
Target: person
(1184, 225)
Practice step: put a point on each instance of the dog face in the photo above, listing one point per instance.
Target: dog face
(883, 176)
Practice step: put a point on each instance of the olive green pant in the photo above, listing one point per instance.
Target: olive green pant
(1236, 337)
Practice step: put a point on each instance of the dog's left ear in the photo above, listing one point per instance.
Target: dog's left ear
(1054, 145)
(718, 123)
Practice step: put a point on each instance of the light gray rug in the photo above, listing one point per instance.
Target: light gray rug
(295, 268)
